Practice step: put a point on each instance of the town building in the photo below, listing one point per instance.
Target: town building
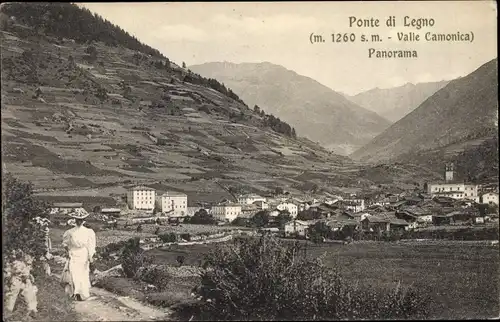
(288, 206)
(249, 199)
(141, 198)
(249, 210)
(489, 198)
(261, 205)
(274, 212)
(115, 212)
(64, 208)
(226, 211)
(452, 188)
(173, 203)
(341, 223)
(355, 205)
(384, 222)
(298, 227)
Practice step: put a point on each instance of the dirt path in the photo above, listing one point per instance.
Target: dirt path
(106, 306)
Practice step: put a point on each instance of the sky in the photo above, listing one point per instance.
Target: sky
(279, 33)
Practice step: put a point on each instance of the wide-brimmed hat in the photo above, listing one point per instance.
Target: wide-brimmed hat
(79, 214)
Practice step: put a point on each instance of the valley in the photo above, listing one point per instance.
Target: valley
(239, 191)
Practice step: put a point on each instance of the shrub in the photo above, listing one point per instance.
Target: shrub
(202, 217)
(53, 303)
(186, 236)
(168, 238)
(267, 279)
(180, 260)
(133, 258)
(156, 275)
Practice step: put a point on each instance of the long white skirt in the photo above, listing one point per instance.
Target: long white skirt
(80, 272)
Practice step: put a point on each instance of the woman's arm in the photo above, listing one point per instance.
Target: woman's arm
(91, 245)
(66, 242)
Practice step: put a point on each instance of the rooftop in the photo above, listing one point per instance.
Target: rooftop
(141, 188)
(68, 205)
(250, 195)
(104, 210)
(228, 203)
(304, 222)
(174, 194)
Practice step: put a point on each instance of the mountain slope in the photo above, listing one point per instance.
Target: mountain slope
(85, 118)
(315, 110)
(91, 117)
(394, 103)
(463, 112)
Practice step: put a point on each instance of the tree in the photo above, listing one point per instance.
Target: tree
(283, 218)
(24, 218)
(127, 90)
(238, 221)
(92, 52)
(101, 94)
(256, 109)
(180, 260)
(308, 215)
(202, 217)
(183, 65)
(260, 219)
(319, 231)
(279, 191)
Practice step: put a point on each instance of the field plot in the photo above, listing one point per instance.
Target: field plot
(462, 278)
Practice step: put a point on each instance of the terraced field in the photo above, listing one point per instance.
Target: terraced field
(150, 127)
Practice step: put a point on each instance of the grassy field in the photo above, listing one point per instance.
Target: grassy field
(462, 278)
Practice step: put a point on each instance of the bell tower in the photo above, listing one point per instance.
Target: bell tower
(449, 172)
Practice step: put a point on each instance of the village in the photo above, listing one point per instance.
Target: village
(450, 203)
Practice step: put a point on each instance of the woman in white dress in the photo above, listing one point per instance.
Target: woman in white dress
(80, 243)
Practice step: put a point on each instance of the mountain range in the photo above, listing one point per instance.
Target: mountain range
(457, 118)
(316, 111)
(396, 102)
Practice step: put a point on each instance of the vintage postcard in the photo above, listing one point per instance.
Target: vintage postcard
(250, 160)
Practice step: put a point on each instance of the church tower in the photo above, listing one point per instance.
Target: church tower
(449, 172)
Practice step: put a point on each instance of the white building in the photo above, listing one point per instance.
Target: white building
(141, 198)
(490, 198)
(226, 211)
(459, 191)
(174, 203)
(355, 205)
(298, 227)
(250, 199)
(290, 207)
(455, 190)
